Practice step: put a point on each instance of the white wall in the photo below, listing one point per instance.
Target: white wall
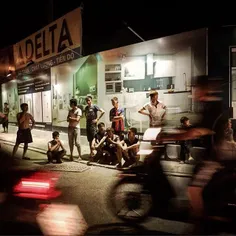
(180, 101)
(10, 95)
(165, 66)
(183, 69)
(131, 101)
(176, 66)
(64, 90)
(104, 100)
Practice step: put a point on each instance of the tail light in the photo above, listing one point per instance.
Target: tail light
(40, 185)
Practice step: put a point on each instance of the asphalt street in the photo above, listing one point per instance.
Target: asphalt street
(89, 190)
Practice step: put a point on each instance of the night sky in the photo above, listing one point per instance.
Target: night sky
(103, 25)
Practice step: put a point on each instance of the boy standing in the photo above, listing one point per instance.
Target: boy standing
(73, 118)
(117, 117)
(92, 119)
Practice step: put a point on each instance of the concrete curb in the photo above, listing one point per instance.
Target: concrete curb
(168, 172)
(42, 151)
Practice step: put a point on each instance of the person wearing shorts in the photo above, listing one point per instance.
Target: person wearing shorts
(25, 125)
(73, 119)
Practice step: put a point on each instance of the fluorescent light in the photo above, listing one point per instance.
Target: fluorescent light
(9, 73)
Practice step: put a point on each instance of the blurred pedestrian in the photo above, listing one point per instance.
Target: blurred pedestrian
(5, 119)
(91, 114)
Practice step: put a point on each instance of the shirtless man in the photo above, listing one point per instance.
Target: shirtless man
(24, 130)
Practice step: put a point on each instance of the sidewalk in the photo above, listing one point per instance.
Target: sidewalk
(41, 138)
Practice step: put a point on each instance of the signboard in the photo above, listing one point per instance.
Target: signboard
(53, 61)
(63, 34)
(34, 83)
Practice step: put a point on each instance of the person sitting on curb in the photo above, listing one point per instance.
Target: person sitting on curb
(54, 147)
(130, 148)
(97, 146)
(110, 144)
(185, 156)
(111, 147)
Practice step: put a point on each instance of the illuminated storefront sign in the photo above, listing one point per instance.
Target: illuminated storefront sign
(62, 34)
(53, 61)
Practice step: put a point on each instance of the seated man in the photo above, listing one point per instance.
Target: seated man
(111, 147)
(54, 147)
(97, 145)
(130, 147)
(185, 145)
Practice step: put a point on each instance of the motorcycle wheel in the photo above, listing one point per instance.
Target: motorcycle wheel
(129, 201)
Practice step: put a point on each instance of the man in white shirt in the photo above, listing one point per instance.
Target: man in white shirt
(155, 110)
(73, 118)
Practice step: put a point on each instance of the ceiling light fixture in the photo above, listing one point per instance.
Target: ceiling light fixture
(9, 73)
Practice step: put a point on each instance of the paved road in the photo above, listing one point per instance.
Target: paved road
(89, 190)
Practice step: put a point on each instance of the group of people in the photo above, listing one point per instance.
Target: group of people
(107, 145)
(110, 145)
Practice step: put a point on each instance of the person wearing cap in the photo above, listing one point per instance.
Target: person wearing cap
(155, 110)
(117, 117)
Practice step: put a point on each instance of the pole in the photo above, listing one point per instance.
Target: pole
(135, 33)
(50, 11)
(81, 25)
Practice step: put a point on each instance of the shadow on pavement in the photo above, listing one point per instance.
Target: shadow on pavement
(121, 229)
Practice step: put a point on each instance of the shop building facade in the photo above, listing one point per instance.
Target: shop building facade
(167, 64)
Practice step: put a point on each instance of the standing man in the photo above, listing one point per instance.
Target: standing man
(92, 119)
(5, 119)
(117, 117)
(73, 118)
(24, 130)
(156, 110)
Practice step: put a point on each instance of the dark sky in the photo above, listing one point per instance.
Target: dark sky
(103, 20)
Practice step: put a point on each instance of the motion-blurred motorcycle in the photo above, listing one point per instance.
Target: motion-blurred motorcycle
(144, 190)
